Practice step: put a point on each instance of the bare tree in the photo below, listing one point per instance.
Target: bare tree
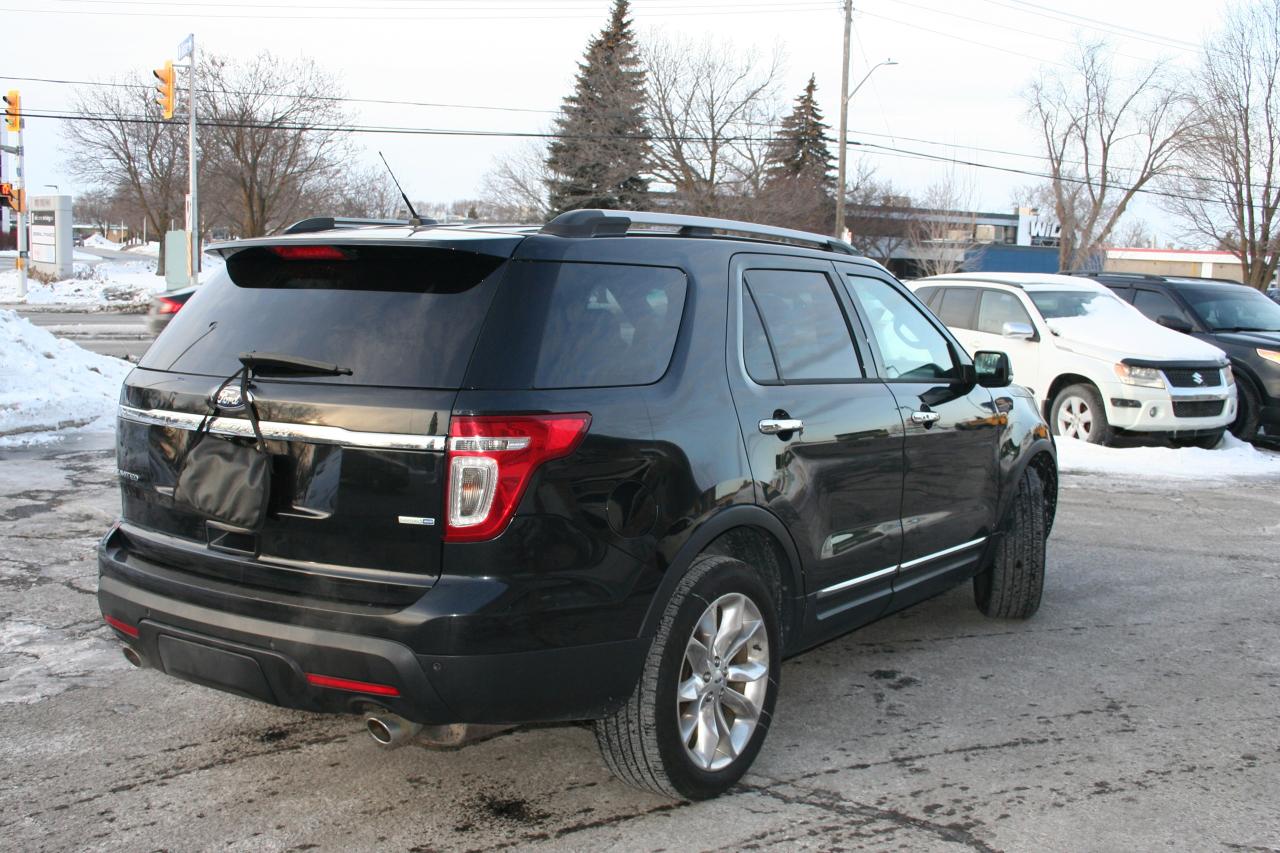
(1105, 138)
(1227, 185)
(943, 228)
(515, 189)
(878, 214)
(711, 112)
(365, 192)
(144, 163)
(273, 145)
(1134, 234)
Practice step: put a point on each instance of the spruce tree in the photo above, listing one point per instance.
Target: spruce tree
(800, 148)
(599, 155)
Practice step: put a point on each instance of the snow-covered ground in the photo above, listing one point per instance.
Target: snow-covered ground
(97, 241)
(49, 384)
(1229, 461)
(109, 284)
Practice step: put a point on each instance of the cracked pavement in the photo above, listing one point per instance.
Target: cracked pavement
(1139, 709)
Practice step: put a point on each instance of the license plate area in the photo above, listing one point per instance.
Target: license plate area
(214, 667)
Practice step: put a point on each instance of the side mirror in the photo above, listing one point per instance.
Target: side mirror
(1178, 324)
(993, 369)
(1021, 331)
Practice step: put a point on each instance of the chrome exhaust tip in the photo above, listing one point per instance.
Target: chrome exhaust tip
(389, 730)
(132, 656)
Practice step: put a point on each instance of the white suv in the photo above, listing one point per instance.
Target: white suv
(1095, 364)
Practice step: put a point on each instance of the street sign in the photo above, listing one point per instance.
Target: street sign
(188, 43)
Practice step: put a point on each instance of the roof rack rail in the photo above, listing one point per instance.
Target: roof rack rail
(1145, 276)
(328, 223)
(619, 223)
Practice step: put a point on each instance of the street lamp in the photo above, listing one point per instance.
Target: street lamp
(55, 187)
(845, 97)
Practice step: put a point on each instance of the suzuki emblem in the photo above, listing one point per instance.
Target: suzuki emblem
(230, 398)
(1197, 378)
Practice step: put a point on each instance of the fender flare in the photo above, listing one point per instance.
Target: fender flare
(740, 515)
(1015, 475)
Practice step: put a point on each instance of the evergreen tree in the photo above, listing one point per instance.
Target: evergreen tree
(800, 149)
(799, 185)
(601, 149)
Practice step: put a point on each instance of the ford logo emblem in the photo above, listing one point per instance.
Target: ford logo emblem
(229, 398)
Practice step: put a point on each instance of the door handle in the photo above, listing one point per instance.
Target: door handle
(773, 426)
(925, 418)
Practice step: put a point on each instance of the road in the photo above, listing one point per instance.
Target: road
(1139, 710)
(104, 332)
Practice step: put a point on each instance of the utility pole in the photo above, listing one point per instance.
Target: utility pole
(842, 154)
(14, 123)
(188, 50)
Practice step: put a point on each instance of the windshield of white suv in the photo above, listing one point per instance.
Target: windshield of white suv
(1055, 304)
(1233, 309)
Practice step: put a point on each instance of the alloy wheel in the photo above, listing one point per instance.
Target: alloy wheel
(723, 681)
(1075, 418)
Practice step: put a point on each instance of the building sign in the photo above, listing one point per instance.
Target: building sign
(43, 236)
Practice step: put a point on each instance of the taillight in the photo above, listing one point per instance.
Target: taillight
(309, 253)
(351, 685)
(168, 306)
(491, 460)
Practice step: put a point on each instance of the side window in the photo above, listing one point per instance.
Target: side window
(999, 307)
(928, 295)
(956, 310)
(803, 325)
(909, 345)
(755, 345)
(1155, 304)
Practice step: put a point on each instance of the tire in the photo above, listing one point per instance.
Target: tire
(1204, 442)
(1248, 410)
(641, 742)
(1011, 586)
(1078, 412)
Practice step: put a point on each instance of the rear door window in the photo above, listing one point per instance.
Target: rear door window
(805, 328)
(1155, 305)
(580, 325)
(403, 316)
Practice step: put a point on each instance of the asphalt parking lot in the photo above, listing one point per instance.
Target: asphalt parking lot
(1140, 709)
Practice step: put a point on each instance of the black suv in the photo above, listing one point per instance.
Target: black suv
(1236, 318)
(613, 469)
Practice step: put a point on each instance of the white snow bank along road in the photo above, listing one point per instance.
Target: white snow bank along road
(110, 284)
(1232, 459)
(49, 384)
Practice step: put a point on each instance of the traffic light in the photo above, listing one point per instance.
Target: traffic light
(10, 197)
(13, 111)
(166, 88)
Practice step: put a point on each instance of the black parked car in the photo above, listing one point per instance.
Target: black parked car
(1236, 318)
(614, 469)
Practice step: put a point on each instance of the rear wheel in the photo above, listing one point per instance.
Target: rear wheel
(704, 701)
(1078, 412)
(1011, 586)
(1248, 410)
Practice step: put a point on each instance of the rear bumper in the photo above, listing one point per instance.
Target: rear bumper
(270, 660)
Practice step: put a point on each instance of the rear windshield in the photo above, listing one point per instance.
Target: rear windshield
(396, 316)
(579, 325)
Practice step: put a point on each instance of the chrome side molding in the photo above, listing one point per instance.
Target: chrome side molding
(314, 433)
(879, 573)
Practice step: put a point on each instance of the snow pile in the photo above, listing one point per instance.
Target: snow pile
(151, 249)
(118, 284)
(97, 241)
(1231, 459)
(49, 384)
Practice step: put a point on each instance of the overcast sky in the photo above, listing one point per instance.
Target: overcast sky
(963, 65)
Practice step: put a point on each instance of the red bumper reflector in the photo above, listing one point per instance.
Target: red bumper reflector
(353, 686)
(123, 627)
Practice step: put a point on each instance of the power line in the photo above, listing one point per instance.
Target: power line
(871, 147)
(945, 34)
(1093, 23)
(358, 14)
